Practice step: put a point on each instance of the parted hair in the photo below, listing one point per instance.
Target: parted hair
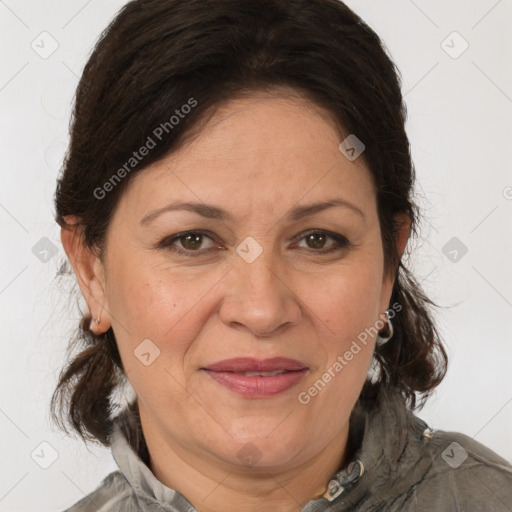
(157, 55)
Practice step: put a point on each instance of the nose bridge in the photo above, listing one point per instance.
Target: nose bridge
(256, 261)
(259, 298)
(260, 275)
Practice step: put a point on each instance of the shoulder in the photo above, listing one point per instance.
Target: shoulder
(419, 469)
(463, 475)
(110, 495)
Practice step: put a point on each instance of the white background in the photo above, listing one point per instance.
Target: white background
(460, 127)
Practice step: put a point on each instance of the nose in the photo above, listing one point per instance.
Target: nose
(259, 298)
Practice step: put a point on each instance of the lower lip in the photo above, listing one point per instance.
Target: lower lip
(258, 387)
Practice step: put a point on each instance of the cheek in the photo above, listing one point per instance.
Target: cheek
(349, 306)
(349, 301)
(167, 306)
(154, 331)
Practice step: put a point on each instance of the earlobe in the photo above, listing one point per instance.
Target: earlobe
(89, 272)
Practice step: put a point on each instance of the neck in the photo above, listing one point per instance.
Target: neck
(212, 485)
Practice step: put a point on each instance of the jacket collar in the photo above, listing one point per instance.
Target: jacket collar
(393, 454)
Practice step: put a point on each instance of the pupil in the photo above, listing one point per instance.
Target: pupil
(192, 241)
(317, 245)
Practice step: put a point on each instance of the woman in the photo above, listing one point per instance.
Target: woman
(235, 204)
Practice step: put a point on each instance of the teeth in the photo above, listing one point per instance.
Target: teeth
(263, 374)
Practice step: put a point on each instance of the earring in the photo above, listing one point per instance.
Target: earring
(94, 321)
(381, 340)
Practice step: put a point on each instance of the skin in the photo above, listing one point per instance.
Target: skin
(258, 157)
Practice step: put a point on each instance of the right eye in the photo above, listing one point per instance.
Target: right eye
(190, 242)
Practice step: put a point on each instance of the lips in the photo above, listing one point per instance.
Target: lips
(257, 378)
(247, 364)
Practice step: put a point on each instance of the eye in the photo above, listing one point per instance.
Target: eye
(316, 239)
(190, 242)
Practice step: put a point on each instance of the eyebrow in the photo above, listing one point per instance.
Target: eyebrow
(214, 212)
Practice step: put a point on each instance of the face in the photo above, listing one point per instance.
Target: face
(257, 275)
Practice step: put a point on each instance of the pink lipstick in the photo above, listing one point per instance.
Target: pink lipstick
(257, 378)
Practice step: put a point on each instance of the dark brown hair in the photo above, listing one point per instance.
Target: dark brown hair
(158, 55)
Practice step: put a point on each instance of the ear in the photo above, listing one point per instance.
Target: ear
(404, 231)
(403, 226)
(89, 271)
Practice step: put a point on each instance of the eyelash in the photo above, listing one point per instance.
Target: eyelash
(342, 242)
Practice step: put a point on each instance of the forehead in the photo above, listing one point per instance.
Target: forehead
(281, 123)
(257, 152)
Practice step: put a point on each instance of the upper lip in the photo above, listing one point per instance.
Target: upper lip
(248, 364)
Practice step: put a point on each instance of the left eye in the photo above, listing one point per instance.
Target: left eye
(318, 239)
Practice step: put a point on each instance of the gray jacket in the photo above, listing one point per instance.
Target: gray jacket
(400, 465)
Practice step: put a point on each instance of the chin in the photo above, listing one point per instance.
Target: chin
(262, 452)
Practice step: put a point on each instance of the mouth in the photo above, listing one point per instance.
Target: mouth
(248, 364)
(257, 378)
(262, 374)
